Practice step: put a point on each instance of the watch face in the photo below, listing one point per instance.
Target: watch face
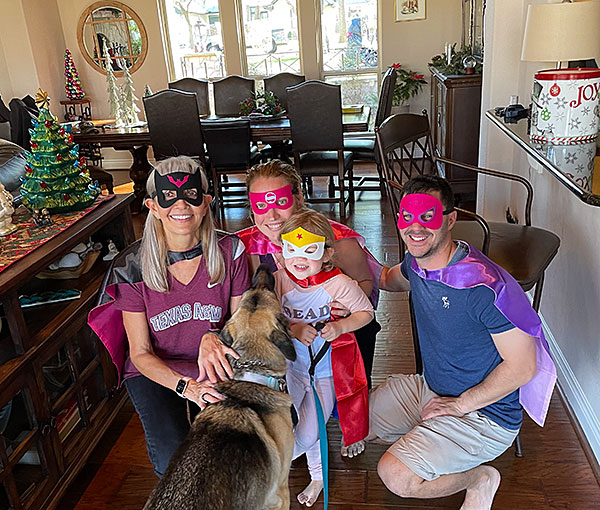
(181, 386)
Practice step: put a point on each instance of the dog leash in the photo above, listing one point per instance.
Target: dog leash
(314, 360)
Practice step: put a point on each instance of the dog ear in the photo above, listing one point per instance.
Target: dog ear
(263, 278)
(281, 339)
(226, 337)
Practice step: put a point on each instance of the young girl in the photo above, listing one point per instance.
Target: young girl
(306, 286)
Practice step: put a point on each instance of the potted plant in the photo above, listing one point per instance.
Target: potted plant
(261, 104)
(408, 84)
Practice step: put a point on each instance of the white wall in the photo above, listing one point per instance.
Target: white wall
(571, 293)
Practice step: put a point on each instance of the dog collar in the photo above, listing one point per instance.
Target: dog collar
(316, 279)
(192, 253)
(275, 383)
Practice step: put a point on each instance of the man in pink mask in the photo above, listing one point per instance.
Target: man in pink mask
(484, 357)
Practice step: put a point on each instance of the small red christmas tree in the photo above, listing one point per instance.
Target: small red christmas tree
(73, 85)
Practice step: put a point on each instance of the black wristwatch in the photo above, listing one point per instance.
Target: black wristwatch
(181, 386)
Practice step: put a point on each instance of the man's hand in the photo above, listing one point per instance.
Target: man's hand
(442, 406)
(212, 360)
(303, 332)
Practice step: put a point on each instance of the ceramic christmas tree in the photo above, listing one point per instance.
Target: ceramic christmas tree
(130, 109)
(116, 110)
(55, 177)
(147, 90)
(73, 85)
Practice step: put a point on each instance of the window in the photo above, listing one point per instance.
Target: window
(271, 36)
(349, 49)
(192, 30)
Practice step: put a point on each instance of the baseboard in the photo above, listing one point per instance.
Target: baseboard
(582, 415)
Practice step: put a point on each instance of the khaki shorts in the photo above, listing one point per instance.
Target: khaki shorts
(439, 446)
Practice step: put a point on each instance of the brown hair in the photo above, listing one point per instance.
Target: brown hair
(275, 168)
(315, 223)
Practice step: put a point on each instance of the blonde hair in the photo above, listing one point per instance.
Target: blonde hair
(154, 250)
(275, 168)
(315, 223)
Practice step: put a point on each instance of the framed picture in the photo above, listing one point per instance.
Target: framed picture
(409, 10)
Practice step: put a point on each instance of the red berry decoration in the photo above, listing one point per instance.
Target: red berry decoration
(28, 169)
(61, 131)
(47, 123)
(70, 138)
(43, 185)
(66, 196)
(58, 157)
(34, 145)
(82, 161)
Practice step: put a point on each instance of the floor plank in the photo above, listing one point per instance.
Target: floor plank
(554, 474)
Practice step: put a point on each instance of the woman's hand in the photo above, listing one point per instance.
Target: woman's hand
(338, 309)
(212, 360)
(303, 332)
(202, 393)
(332, 330)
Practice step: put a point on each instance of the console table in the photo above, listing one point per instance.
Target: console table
(58, 387)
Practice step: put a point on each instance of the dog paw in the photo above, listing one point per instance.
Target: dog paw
(353, 450)
(310, 495)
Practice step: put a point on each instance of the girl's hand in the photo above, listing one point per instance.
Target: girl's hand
(332, 330)
(304, 332)
(338, 309)
(202, 393)
(212, 360)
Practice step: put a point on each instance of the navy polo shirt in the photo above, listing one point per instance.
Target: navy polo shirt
(455, 328)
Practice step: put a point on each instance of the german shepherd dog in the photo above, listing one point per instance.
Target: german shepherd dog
(238, 452)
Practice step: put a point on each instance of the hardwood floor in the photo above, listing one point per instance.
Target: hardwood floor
(553, 474)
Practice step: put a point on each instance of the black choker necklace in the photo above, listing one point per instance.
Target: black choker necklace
(192, 253)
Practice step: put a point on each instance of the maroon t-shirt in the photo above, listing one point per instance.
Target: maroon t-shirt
(178, 319)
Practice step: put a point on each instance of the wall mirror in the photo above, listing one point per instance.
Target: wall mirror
(473, 14)
(114, 27)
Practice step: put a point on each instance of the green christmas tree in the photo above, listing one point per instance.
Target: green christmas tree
(56, 178)
(73, 85)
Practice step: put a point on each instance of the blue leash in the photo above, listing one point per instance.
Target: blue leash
(320, 420)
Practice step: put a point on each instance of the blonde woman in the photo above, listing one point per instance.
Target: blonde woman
(174, 290)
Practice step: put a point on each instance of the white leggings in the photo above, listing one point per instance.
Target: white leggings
(306, 432)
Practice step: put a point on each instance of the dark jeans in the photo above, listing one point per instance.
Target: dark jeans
(365, 338)
(164, 416)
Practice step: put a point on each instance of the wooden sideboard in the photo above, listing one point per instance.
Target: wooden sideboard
(58, 387)
(455, 121)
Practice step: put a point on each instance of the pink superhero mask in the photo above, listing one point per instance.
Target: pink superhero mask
(421, 208)
(281, 198)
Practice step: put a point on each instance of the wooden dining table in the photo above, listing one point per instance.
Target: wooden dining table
(137, 140)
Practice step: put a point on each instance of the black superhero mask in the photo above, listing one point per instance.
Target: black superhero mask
(178, 186)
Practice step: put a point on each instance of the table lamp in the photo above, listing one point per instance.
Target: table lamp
(564, 107)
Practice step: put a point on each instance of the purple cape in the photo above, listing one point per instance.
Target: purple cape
(476, 269)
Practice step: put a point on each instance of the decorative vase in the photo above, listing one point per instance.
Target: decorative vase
(404, 108)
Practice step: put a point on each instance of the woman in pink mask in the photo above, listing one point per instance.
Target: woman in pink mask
(275, 194)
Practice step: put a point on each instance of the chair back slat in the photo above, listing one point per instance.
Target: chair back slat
(174, 124)
(229, 92)
(315, 111)
(278, 84)
(386, 96)
(198, 87)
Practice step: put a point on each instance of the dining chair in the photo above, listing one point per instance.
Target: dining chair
(229, 92)
(198, 87)
(278, 83)
(174, 124)
(315, 112)
(229, 152)
(362, 144)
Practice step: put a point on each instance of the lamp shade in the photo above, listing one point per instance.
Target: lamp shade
(562, 31)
